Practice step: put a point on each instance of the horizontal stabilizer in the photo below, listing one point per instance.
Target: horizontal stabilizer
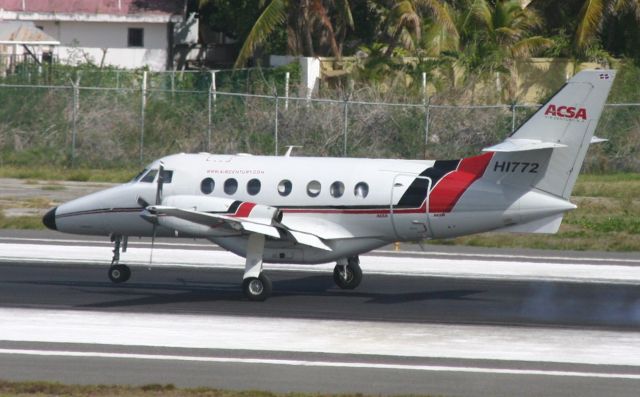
(549, 225)
(522, 145)
(596, 139)
(310, 240)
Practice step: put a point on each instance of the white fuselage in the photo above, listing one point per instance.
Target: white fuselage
(354, 205)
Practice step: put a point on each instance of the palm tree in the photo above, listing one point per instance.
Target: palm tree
(594, 13)
(495, 37)
(610, 19)
(303, 19)
(405, 20)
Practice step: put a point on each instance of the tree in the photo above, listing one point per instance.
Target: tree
(601, 26)
(495, 36)
(311, 27)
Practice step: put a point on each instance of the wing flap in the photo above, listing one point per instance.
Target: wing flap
(260, 229)
(310, 240)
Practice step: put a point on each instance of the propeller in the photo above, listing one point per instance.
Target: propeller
(159, 186)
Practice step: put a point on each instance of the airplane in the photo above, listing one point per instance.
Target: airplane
(312, 210)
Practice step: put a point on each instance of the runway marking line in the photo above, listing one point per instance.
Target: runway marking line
(312, 363)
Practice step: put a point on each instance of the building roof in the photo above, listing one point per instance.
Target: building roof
(22, 32)
(91, 9)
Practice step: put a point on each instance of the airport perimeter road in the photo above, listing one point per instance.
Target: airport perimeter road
(468, 323)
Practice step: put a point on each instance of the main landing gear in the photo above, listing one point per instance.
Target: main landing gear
(255, 284)
(347, 274)
(118, 273)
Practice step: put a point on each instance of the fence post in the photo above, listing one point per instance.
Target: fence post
(210, 105)
(287, 75)
(275, 95)
(173, 83)
(426, 126)
(143, 105)
(346, 124)
(75, 110)
(513, 117)
(425, 103)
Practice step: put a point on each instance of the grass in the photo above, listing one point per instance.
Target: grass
(20, 222)
(67, 174)
(50, 389)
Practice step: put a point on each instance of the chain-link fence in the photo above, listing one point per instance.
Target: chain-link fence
(75, 125)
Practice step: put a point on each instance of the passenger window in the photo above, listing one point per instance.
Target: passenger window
(207, 185)
(285, 187)
(313, 188)
(151, 175)
(230, 186)
(361, 190)
(337, 189)
(253, 187)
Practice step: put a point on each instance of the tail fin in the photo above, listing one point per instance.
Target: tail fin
(548, 150)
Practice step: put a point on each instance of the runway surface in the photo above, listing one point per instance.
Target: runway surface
(472, 322)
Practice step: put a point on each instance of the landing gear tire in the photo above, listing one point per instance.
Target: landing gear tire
(257, 289)
(119, 273)
(348, 276)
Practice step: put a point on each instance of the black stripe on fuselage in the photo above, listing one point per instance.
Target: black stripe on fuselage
(99, 211)
(417, 191)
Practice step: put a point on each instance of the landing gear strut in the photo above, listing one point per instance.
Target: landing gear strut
(118, 273)
(347, 274)
(255, 284)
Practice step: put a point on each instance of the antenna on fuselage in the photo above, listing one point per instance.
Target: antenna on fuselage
(290, 149)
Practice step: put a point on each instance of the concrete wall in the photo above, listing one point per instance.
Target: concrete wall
(310, 72)
(82, 41)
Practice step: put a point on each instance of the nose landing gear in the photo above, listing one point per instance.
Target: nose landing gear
(347, 274)
(118, 273)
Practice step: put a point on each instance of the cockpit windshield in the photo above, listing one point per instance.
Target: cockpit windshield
(148, 176)
(137, 177)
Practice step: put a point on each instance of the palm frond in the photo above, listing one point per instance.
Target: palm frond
(529, 46)
(441, 14)
(343, 8)
(273, 15)
(590, 18)
(481, 12)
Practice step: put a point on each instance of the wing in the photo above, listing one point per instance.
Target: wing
(248, 217)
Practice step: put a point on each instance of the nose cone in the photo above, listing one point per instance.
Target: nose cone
(49, 219)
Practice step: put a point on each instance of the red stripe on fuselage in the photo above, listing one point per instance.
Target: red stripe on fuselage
(450, 188)
(377, 211)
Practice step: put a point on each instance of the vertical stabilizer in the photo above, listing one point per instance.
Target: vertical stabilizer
(548, 150)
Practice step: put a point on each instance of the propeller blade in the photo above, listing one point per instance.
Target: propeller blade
(153, 241)
(142, 202)
(160, 183)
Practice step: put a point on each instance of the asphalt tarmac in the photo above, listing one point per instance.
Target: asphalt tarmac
(527, 307)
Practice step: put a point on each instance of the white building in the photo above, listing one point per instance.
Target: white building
(124, 33)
